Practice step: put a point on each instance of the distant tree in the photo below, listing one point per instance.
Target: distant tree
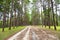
(54, 23)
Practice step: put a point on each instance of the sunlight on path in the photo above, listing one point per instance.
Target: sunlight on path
(34, 36)
(33, 33)
(26, 37)
(50, 35)
(15, 36)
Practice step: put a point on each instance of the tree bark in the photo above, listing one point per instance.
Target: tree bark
(4, 20)
(54, 23)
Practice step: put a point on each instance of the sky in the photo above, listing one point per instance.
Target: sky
(40, 7)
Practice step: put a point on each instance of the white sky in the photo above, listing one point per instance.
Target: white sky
(39, 5)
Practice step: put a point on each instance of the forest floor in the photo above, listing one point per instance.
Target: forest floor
(34, 33)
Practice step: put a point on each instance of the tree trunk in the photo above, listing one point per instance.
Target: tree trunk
(4, 20)
(11, 16)
(48, 15)
(53, 16)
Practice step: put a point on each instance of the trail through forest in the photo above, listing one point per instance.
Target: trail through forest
(34, 33)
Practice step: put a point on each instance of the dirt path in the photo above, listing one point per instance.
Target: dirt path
(34, 33)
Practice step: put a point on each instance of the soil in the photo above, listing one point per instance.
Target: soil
(35, 33)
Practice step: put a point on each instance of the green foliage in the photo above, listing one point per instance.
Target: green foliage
(0, 24)
(59, 20)
(8, 33)
(34, 1)
(1, 1)
(35, 17)
(47, 10)
(26, 1)
(4, 4)
(57, 1)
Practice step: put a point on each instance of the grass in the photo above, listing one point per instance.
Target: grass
(7, 32)
(52, 28)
